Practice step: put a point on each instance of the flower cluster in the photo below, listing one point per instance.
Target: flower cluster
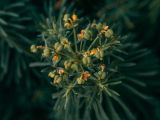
(77, 54)
(69, 22)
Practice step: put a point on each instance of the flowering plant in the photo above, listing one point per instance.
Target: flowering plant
(84, 63)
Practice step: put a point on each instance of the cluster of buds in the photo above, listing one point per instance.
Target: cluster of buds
(70, 20)
(83, 77)
(103, 29)
(57, 75)
(71, 65)
(86, 59)
(97, 52)
(46, 50)
(63, 44)
(76, 60)
(101, 74)
(35, 48)
(85, 34)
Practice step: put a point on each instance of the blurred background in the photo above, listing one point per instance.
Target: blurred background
(25, 94)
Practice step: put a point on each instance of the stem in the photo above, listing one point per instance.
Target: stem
(45, 41)
(69, 89)
(64, 54)
(75, 38)
(81, 67)
(93, 43)
(81, 46)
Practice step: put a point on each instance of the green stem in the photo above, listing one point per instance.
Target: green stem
(75, 38)
(81, 46)
(81, 67)
(93, 43)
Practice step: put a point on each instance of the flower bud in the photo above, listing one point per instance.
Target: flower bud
(99, 26)
(55, 57)
(109, 33)
(57, 79)
(58, 47)
(86, 60)
(46, 52)
(80, 81)
(60, 71)
(74, 17)
(65, 42)
(99, 54)
(74, 66)
(67, 25)
(67, 64)
(66, 17)
(102, 67)
(105, 27)
(80, 36)
(87, 34)
(51, 74)
(93, 51)
(33, 49)
(102, 75)
(84, 77)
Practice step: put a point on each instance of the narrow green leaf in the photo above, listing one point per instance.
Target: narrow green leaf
(129, 114)
(39, 64)
(18, 4)
(139, 94)
(4, 13)
(18, 26)
(113, 112)
(117, 57)
(3, 22)
(127, 64)
(2, 32)
(136, 81)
